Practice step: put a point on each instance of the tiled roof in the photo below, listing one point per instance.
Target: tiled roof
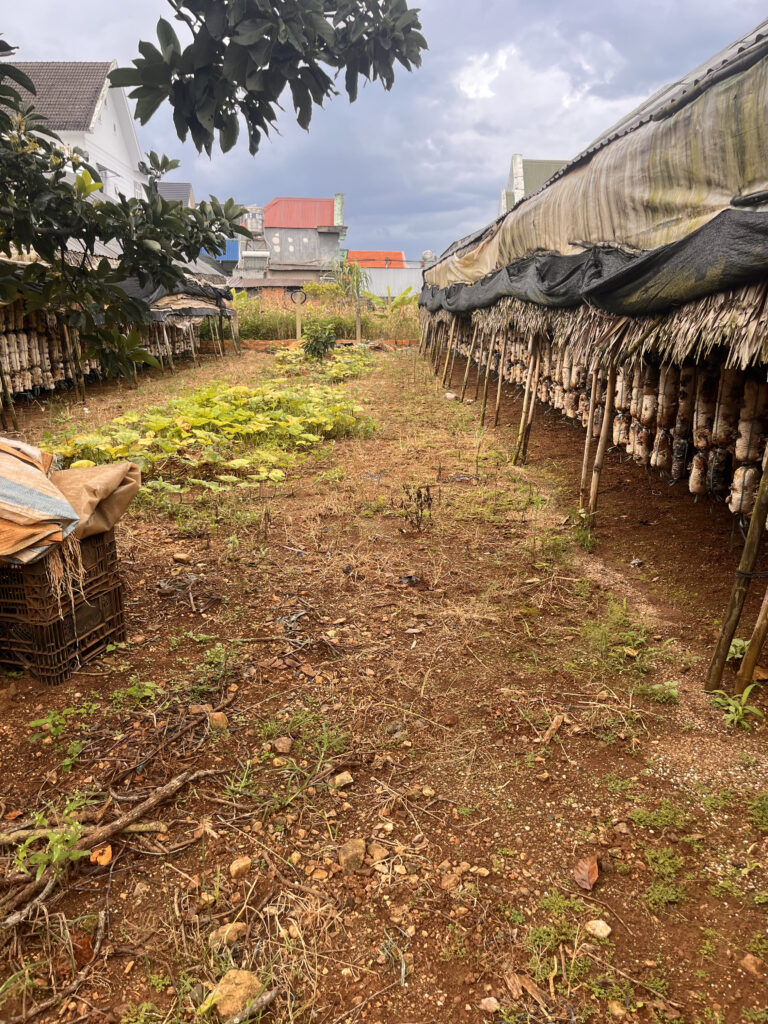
(68, 92)
(375, 258)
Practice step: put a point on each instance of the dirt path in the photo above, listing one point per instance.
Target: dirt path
(508, 709)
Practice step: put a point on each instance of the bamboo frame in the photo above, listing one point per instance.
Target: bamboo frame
(469, 363)
(588, 440)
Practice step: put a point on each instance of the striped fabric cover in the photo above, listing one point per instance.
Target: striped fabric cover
(33, 513)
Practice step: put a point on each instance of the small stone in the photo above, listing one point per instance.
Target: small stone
(141, 889)
(490, 1005)
(395, 727)
(449, 882)
(233, 994)
(218, 721)
(450, 396)
(343, 779)
(428, 791)
(295, 858)
(182, 557)
(227, 935)
(283, 745)
(616, 1009)
(200, 709)
(240, 867)
(598, 929)
(752, 964)
(352, 855)
(449, 719)
(377, 852)
(621, 827)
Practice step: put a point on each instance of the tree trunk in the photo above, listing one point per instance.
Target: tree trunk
(752, 655)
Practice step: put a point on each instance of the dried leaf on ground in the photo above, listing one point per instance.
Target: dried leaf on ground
(586, 872)
(102, 855)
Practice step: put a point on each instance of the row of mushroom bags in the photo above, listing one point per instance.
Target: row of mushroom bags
(704, 423)
(35, 354)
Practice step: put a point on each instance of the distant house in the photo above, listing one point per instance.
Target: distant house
(85, 112)
(526, 176)
(389, 272)
(295, 240)
(178, 192)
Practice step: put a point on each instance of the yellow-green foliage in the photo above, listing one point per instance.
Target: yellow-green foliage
(219, 436)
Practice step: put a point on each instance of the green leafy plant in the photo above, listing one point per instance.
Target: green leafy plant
(319, 339)
(758, 812)
(736, 707)
(737, 650)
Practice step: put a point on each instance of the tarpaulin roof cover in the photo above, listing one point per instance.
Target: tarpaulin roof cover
(683, 178)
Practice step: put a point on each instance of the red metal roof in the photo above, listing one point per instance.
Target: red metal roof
(374, 258)
(287, 212)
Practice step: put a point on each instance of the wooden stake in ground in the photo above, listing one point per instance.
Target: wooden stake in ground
(168, 350)
(606, 430)
(453, 360)
(524, 414)
(448, 352)
(438, 348)
(502, 360)
(469, 363)
(234, 327)
(752, 654)
(485, 382)
(191, 330)
(740, 586)
(7, 398)
(480, 352)
(588, 441)
(531, 406)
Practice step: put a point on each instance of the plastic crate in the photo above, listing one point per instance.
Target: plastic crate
(53, 651)
(25, 592)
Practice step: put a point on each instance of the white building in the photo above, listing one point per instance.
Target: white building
(84, 111)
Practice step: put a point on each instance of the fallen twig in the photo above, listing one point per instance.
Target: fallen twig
(254, 1008)
(80, 977)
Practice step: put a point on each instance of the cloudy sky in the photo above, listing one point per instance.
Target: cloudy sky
(424, 164)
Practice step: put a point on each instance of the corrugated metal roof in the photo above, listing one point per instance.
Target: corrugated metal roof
(289, 212)
(68, 92)
(377, 258)
(177, 191)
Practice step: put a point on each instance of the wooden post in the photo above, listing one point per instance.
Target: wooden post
(453, 361)
(757, 640)
(588, 441)
(298, 321)
(437, 348)
(485, 382)
(740, 586)
(469, 363)
(531, 406)
(516, 455)
(448, 352)
(602, 444)
(221, 327)
(501, 378)
(168, 349)
(234, 327)
(479, 365)
(192, 343)
(71, 357)
(7, 398)
(78, 363)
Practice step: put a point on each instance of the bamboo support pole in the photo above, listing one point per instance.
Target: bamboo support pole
(502, 359)
(524, 413)
(234, 329)
(168, 349)
(453, 362)
(424, 335)
(69, 352)
(437, 351)
(602, 444)
(588, 441)
(221, 329)
(7, 397)
(73, 344)
(469, 363)
(752, 654)
(531, 406)
(448, 350)
(191, 330)
(740, 586)
(485, 381)
(479, 365)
